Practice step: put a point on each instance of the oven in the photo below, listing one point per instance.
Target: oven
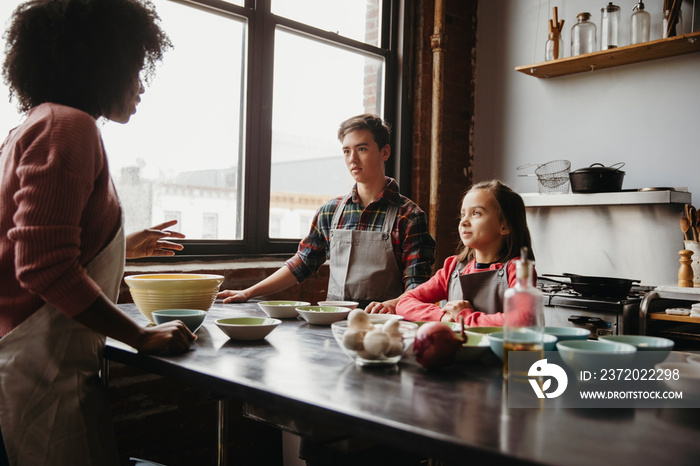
(565, 307)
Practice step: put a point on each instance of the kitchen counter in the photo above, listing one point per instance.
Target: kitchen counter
(456, 414)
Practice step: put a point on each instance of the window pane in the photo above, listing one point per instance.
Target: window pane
(181, 152)
(316, 87)
(356, 19)
(9, 115)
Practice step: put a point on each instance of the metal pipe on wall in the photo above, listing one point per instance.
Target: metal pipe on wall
(437, 43)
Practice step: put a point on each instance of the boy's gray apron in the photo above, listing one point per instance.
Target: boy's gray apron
(363, 265)
(49, 378)
(484, 289)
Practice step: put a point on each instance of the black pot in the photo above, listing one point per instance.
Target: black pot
(604, 287)
(597, 178)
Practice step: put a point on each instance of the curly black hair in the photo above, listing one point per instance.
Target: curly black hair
(80, 53)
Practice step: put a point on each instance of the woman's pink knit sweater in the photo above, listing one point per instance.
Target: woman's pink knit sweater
(58, 209)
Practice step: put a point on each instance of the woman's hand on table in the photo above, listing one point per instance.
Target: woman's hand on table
(150, 242)
(172, 337)
(232, 296)
(386, 307)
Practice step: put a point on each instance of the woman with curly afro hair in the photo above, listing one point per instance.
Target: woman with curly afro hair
(62, 246)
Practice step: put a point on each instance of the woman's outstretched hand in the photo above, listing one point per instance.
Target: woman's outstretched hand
(151, 242)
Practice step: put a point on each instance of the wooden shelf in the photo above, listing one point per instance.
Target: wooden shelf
(662, 48)
(664, 316)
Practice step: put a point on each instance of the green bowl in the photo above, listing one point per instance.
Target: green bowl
(323, 315)
(475, 334)
(282, 309)
(247, 328)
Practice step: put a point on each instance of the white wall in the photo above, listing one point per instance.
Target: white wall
(646, 115)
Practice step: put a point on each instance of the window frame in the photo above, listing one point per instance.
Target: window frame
(257, 120)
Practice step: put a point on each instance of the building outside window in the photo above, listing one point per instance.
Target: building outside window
(235, 137)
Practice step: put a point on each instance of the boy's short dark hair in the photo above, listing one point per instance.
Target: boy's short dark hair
(379, 128)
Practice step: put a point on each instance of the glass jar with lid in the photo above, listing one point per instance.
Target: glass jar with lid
(583, 35)
(609, 26)
(640, 24)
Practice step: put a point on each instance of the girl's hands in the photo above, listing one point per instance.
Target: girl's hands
(172, 337)
(454, 308)
(150, 242)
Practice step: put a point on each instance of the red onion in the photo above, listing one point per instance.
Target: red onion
(435, 345)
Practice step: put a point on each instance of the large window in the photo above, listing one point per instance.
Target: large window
(236, 135)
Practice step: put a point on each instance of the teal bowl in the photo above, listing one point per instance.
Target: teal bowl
(192, 318)
(568, 333)
(650, 350)
(591, 355)
(496, 343)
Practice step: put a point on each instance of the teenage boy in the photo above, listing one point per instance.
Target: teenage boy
(376, 239)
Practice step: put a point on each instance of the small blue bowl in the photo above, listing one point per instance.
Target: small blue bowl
(594, 355)
(192, 318)
(650, 350)
(496, 342)
(568, 333)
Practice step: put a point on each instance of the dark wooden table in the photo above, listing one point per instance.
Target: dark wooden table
(457, 414)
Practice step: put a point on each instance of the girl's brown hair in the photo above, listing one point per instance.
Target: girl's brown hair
(511, 210)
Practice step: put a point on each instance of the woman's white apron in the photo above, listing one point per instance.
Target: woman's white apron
(53, 409)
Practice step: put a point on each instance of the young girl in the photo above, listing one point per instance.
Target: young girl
(493, 228)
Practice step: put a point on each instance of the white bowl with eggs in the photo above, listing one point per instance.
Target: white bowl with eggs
(373, 344)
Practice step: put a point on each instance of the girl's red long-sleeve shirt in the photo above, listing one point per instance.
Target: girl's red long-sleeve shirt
(420, 303)
(58, 209)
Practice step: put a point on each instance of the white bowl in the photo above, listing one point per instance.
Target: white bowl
(381, 318)
(247, 328)
(153, 292)
(323, 315)
(342, 334)
(281, 309)
(688, 377)
(192, 318)
(594, 355)
(350, 304)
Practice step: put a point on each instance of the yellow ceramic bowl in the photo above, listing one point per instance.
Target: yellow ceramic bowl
(154, 292)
